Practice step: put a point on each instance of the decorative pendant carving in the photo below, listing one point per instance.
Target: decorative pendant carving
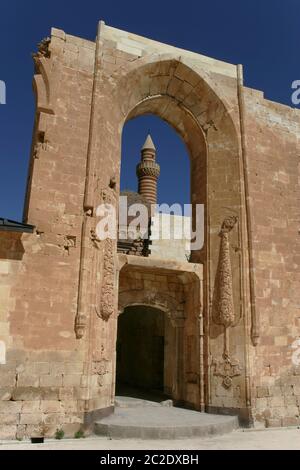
(223, 305)
(80, 325)
(83, 301)
(108, 288)
(106, 304)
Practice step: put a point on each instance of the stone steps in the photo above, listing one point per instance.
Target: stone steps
(129, 402)
(150, 420)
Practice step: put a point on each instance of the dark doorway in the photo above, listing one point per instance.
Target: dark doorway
(140, 351)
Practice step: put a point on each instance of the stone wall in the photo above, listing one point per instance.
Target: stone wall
(170, 237)
(59, 286)
(199, 98)
(273, 143)
(43, 384)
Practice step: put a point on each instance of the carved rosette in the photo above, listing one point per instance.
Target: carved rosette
(101, 369)
(227, 369)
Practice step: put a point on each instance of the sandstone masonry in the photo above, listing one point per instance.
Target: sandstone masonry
(234, 308)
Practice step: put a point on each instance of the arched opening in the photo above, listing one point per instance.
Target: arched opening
(155, 170)
(173, 184)
(189, 101)
(170, 225)
(143, 353)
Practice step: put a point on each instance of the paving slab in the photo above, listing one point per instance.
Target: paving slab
(266, 439)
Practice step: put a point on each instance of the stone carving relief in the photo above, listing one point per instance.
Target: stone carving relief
(40, 144)
(101, 369)
(43, 48)
(227, 369)
(83, 282)
(43, 77)
(105, 294)
(105, 305)
(223, 305)
(223, 308)
(80, 325)
(159, 300)
(106, 309)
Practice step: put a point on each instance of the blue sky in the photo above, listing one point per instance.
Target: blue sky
(261, 34)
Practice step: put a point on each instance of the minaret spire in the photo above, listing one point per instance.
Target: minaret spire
(148, 171)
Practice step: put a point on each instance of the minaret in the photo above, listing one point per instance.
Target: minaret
(148, 171)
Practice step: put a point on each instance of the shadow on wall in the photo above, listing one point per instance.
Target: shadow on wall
(11, 246)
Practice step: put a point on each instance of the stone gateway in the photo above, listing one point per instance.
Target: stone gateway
(221, 325)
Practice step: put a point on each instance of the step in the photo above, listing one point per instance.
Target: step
(130, 402)
(159, 422)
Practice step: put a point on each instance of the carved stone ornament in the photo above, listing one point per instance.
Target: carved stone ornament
(107, 291)
(223, 307)
(227, 369)
(106, 303)
(43, 48)
(80, 325)
(108, 196)
(101, 368)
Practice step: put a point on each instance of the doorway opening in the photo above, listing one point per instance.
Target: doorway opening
(141, 353)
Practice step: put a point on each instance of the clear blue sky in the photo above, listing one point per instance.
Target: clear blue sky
(261, 34)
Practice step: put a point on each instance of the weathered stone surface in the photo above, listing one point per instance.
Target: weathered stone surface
(48, 374)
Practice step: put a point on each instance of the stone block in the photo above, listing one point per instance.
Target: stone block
(9, 419)
(276, 401)
(51, 406)
(290, 421)
(262, 392)
(261, 404)
(51, 380)
(7, 379)
(13, 407)
(25, 380)
(58, 33)
(26, 394)
(32, 418)
(5, 393)
(72, 380)
(273, 423)
(36, 430)
(50, 393)
(31, 406)
(8, 432)
(56, 419)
